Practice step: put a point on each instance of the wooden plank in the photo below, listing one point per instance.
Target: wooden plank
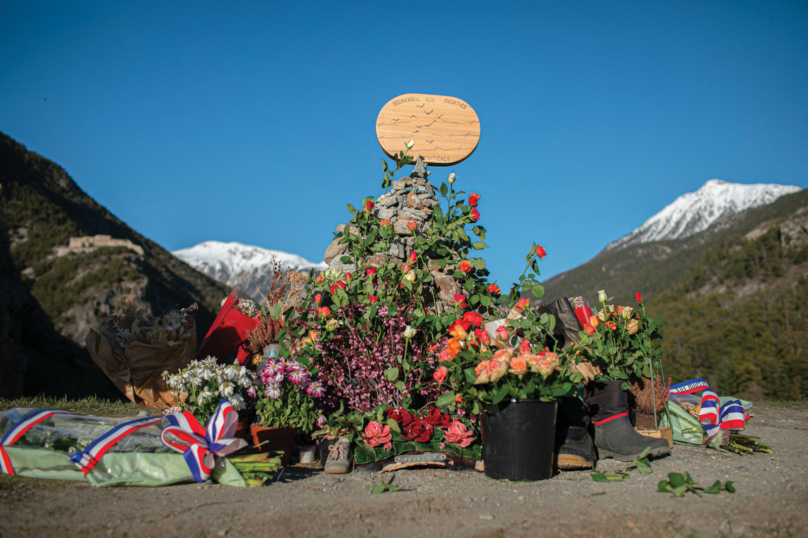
(445, 130)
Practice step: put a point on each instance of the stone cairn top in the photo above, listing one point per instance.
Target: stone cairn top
(410, 199)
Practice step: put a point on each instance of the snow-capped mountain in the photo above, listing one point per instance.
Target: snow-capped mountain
(244, 266)
(696, 211)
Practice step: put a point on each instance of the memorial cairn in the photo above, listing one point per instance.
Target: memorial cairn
(399, 355)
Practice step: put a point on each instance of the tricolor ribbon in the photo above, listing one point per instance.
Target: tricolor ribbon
(198, 445)
(88, 458)
(689, 387)
(19, 430)
(730, 416)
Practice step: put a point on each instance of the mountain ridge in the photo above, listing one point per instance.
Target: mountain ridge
(244, 266)
(694, 212)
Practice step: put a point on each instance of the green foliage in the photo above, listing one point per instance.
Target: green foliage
(385, 487)
(679, 484)
(293, 409)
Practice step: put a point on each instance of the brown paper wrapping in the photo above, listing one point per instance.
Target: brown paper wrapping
(138, 372)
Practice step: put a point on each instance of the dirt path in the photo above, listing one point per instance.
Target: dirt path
(771, 501)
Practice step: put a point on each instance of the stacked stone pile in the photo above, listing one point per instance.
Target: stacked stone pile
(411, 199)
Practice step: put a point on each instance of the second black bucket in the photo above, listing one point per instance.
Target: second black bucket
(518, 440)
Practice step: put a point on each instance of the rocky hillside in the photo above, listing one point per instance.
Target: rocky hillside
(246, 267)
(56, 294)
(653, 266)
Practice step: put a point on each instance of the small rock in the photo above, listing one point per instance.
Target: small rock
(143, 414)
(487, 517)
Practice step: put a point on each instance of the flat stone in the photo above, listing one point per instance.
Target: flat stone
(335, 250)
(401, 228)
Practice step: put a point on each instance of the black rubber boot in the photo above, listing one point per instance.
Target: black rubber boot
(573, 445)
(613, 433)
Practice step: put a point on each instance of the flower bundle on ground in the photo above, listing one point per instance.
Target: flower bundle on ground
(288, 396)
(202, 384)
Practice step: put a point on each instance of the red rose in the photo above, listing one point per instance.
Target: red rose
(590, 330)
(369, 205)
(475, 215)
(317, 298)
(418, 431)
(638, 296)
(524, 347)
(473, 318)
(324, 311)
(385, 222)
(440, 374)
(465, 266)
(333, 289)
(464, 323)
(405, 268)
(460, 300)
(319, 279)
(348, 277)
(493, 288)
(482, 336)
(373, 299)
(540, 252)
(413, 256)
(473, 199)
(370, 271)
(437, 419)
(412, 226)
(341, 284)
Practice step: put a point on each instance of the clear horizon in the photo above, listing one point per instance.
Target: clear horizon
(255, 123)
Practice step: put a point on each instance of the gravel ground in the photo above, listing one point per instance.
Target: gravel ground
(771, 501)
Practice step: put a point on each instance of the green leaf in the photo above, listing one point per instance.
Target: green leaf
(391, 310)
(400, 384)
(664, 487)
(393, 425)
(729, 486)
(447, 398)
(676, 480)
(679, 491)
(479, 264)
(500, 395)
(470, 375)
(275, 311)
(391, 373)
(378, 489)
(345, 259)
(444, 189)
(715, 489)
(479, 245)
(538, 291)
(485, 300)
(352, 209)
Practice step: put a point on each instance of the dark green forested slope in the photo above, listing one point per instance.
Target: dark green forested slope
(41, 207)
(739, 317)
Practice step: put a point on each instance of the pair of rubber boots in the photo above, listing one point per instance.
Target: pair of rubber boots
(604, 412)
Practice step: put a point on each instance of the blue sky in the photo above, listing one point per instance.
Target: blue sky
(254, 122)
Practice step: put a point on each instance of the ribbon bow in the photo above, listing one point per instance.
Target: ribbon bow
(198, 445)
(714, 416)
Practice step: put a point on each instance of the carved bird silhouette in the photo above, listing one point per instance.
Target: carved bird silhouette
(430, 141)
(439, 116)
(430, 112)
(421, 106)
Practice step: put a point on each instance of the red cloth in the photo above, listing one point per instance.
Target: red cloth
(229, 331)
(583, 314)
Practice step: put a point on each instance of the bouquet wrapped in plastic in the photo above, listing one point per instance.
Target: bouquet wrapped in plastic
(48, 443)
(134, 350)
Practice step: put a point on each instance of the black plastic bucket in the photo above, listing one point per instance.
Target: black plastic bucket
(518, 440)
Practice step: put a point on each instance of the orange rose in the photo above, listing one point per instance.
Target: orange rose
(482, 373)
(594, 321)
(453, 347)
(496, 370)
(458, 332)
(412, 226)
(465, 266)
(503, 355)
(493, 288)
(324, 311)
(518, 366)
(523, 304)
(385, 223)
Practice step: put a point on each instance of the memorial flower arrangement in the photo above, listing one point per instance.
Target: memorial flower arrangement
(372, 335)
(519, 360)
(621, 339)
(288, 397)
(202, 384)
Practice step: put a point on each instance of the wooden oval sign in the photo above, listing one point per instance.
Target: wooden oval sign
(445, 130)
